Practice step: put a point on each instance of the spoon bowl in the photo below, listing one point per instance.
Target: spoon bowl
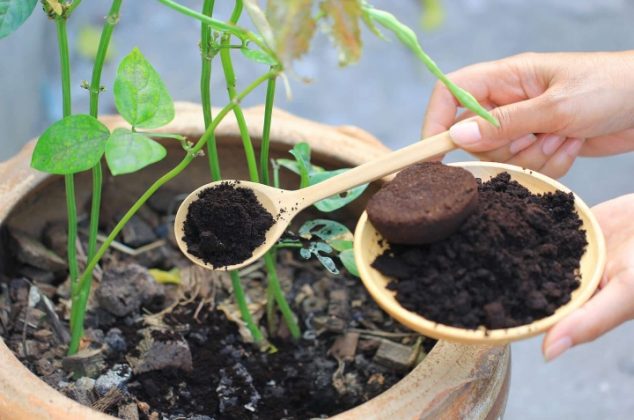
(279, 203)
(367, 246)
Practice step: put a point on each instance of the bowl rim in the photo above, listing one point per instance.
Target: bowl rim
(481, 335)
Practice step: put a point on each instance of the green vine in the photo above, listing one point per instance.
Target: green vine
(78, 332)
(266, 131)
(207, 54)
(69, 181)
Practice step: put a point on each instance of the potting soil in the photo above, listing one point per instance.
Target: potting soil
(514, 260)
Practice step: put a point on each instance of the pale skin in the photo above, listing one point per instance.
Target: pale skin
(553, 108)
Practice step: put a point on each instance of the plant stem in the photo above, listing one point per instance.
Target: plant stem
(69, 181)
(72, 7)
(95, 88)
(97, 175)
(77, 333)
(244, 308)
(163, 135)
(266, 131)
(241, 33)
(214, 23)
(274, 283)
(230, 79)
(205, 88)
(276, 173)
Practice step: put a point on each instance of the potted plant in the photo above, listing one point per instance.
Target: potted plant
(78, 143)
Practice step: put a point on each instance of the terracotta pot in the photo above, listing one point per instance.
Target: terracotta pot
(453, 381)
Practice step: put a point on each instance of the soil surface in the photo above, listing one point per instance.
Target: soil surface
(177, 349)
(426, 202)
(225, 224)
(514, 260)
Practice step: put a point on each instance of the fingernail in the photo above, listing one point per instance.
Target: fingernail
(522, 143)
(465, 133)
(557, 348)
(573, 147)
(551, 143)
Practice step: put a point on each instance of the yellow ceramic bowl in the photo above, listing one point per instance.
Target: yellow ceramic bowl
(367, 248)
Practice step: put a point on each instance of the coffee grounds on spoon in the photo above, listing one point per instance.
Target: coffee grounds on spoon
(513, 261)
(225, 225)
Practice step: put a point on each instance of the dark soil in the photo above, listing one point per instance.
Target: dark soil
(227, 378)
(225, 224)
(234, 380)
(514, 260)
(425, 203)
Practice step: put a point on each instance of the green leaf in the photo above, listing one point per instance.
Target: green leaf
(336, 201)
(409, 39)
(73, 144)
(326, 230)
(301, 152)
(258, 56)
(14, 13)
(128, 152)
(139, 93)
(347, 259)
(293, 27)
(289, 164)
(341, 245)
(345, 16)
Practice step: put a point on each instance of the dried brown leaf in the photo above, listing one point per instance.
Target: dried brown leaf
(293, 27)
(345, 16)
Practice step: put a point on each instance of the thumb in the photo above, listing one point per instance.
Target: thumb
(610, 307)
(516, 120)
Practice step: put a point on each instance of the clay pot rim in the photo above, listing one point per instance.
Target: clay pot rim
(463, 367)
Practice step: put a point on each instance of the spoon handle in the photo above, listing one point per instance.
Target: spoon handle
(378, 168)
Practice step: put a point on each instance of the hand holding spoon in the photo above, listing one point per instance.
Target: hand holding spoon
(284, 205)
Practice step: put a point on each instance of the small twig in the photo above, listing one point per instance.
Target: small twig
(82, 257)
(252, 268)
(111, 399)
(382, 334)
(132, 251)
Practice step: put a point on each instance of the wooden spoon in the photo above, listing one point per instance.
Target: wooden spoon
(285, 204)
(368, 246)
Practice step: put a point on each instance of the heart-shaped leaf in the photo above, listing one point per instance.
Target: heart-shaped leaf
(140, 95)
(14, 13)
(73, 144)
(336, 201)
(128, 152)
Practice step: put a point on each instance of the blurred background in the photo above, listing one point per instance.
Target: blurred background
(386, 94)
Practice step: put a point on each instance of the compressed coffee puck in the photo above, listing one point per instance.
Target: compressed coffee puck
(426, 202)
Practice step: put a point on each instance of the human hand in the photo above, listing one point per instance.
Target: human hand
(613, 304)
(551, 108)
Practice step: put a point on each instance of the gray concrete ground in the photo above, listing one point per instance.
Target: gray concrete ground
(385, 94)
